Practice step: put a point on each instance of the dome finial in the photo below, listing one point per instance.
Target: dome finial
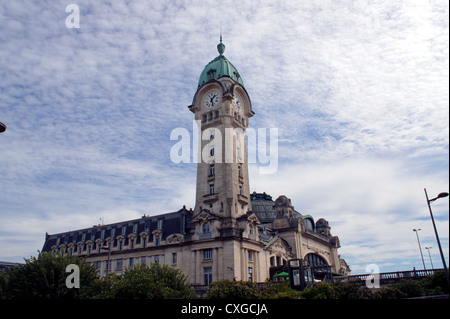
(221, 46)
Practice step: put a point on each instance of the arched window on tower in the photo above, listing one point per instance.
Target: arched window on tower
(206, 231)
(205, 228)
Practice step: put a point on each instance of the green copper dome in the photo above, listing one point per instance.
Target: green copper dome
(219, 67)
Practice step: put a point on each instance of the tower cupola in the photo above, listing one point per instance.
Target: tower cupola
(219, 67)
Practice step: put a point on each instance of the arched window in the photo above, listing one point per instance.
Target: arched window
(205, 229)
(308, 223)
(315, 260)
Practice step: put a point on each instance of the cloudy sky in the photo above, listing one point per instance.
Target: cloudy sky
(357, 90)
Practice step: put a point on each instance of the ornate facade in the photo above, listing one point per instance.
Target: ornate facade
(230, 234)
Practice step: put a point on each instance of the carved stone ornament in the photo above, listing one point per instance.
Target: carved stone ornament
(174, 239)
(157, 232)
(253, 219)
(203, 216)
(279, 248)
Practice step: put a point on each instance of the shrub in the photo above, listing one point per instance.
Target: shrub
(352, 291)
(436, 284)
(319, 291)
(389, 293)
(410, 288)
(270, 290)
(4, 278)
(227, 289)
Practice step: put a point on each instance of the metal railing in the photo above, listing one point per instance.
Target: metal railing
(389, 276)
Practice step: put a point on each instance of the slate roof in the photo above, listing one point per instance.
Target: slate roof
(170, 223)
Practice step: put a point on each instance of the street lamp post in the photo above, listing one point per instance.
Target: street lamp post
(420, 248)
(441, 195)
(2, 127)
(429, 255)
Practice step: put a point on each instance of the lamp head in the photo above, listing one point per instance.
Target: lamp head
(441, 195)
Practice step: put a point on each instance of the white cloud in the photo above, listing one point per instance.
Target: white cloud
(371, 204)
(358, 91)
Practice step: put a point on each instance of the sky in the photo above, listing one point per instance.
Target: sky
(358, 91)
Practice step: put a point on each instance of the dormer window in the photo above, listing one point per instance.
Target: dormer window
(236, 75)
(211, 74)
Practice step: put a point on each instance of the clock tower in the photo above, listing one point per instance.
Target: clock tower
(222, 109)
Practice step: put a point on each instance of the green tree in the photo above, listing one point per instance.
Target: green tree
(45, 277)
(102, 288)
(154, 282)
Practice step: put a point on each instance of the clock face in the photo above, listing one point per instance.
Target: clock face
(212, 99)
(237, 101)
